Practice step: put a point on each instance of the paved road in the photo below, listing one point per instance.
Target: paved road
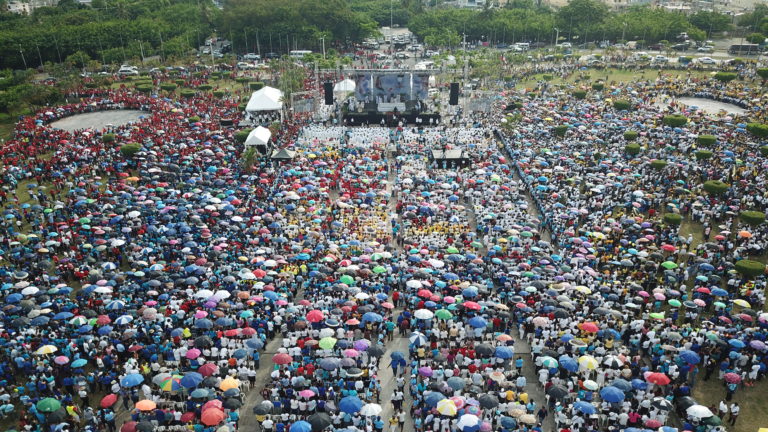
(98, 120)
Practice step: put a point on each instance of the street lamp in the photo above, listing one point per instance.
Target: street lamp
(557, 36)
(623, 33)
(323, 39)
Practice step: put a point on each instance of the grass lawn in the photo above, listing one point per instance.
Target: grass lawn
(752, 400)
(610, 75)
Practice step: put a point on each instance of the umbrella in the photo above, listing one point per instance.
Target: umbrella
(145, 405)
(446, 407)
(212, 416)
(319, 421)
(108, 400)
(468, 423)
(48, 405)
(131, 380)
(350, 404)
(371, 409)
(699, 411)
(488, 401)
(584, 407)
(612, 394)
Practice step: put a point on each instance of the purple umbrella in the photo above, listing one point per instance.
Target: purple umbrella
(425, 371)
(757, 344)
(362, 344)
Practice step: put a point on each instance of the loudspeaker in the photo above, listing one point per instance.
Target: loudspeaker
(453, 98)
(328, 89)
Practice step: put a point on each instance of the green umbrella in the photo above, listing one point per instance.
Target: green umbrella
(476, 244)
(526, 234)
(376, 257)
(379, 270)
(84, 221)
(528, 274)
(48, 405)
(712, 421)
(452, 307)
(675, 303)
(669, 265)
(444, 314)
(452, 250)
(657, 315)
(719, 304)
(347, 279)
(712, 336)
(327, 343)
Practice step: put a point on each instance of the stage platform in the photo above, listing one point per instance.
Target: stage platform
(390, 119)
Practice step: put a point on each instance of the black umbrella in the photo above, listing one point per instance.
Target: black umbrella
(484, 350)
(319, 421)
(488, 401)
(145, 426)
(57, 416)
(376, 350)
(232, 403)
(209, 382)
(203, 342)
(560, 313)
(662, 404)
(557, 392)
(261, 410)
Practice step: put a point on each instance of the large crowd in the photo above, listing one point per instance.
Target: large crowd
(141, 290)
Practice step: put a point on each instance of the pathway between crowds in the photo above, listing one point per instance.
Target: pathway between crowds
(253, 397)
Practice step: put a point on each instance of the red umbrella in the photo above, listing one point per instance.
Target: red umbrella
(732, 378)
(193, 354)
(128, 427)
(208, 369)
(108, 400)
(248, 331)
(281, 359)
(134, 348)
(590, 327)
(725, 319)
(212, 404)
(471, 305)
(657, 378)
(653, 423)
(703, 290)
(424, 293)
(315, 316)
(187, 417)
(212, 417)
(668, 248)
(103, 320)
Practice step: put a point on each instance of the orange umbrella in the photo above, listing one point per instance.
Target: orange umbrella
(229, 383)
(145, 405)
(745, 234)
(212, 416)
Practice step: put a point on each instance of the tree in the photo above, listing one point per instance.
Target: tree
(716, 187)
(630, 135)
(752, 218)
(129, 150)
(632, 149)
(763, 73)
(756, 38)
(725, 76)
(580, 15)
(711, 22)
(672, 219)
(750, 268)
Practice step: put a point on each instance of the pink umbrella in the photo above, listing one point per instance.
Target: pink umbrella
(306, 393)
(61, 360)
(732, 378)
(193, 354)
(351, 353)
(659, 296)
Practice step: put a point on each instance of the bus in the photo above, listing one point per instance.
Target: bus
(299, 54)
(744, 49)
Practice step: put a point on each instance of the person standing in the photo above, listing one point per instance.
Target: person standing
(393, 423)
(735, 409)
(722, 409)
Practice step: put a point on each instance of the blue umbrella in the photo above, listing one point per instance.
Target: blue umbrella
(131, 380)
(639, 384)
(191, 379)
(103, 331)
(63, 315)
(240, 354)
(568, 363)
(504, 352)
(719, 292)
(622, 384)
(79, 363)
(301, 426)
(612, 394)
(350, 404)
(508, 422)
(478, 322)
(204, 323)
(469, 292)
(432, 398)
(372, 317)
(584, 407)
(417, 339)
(690, 357)
(396, 355)
(254, 343)
(736, 343)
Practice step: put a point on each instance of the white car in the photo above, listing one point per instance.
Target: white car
(128, 70)
(245, 65)
(661, 59)
(707, 60)
(402, 55)
(414, 48)
(431, 53)
(251, 57)
(566, 45)
(705, 49)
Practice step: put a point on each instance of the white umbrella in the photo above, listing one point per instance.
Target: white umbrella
(371, 409)
(204, 294)
(468, 421)
(30, 290)
(362, 296)
(699, 411)
(424, 314)
(413, 284)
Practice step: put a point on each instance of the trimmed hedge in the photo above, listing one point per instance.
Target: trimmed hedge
(725, 76)
(759, 130)
(219, 93)
(706, 140)
(179, 82)
(632, 149)
(715, 187)
(255, 85)
(108, 138)
(194, 119)
(672, 219)
(204, 87)
(750, 268)
(547, 77)
(144, 88)
(703, 154)
(658, 164)
(242, 135)
(90, 85)
(763, 73)
(622, 105)
(187, 93)
(130, 149)
(242, 80)
(598, 86)
(753, 218)
(630, 135)
(560, 131)
(675, 120)
(169, 87)
(764, 150)
(579, 94)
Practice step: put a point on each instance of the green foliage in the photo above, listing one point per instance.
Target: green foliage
(658, 164)
(726, 76)
(752, 218)
(219, 93)
(108, 138)
(255, 85)
(547, 77)
(248, 157)
(187, 93)
(675, 120)
(763, 73)
(90, 85)
(179, 82)
(672, 219)
(632, 149)
(756, 38)
(764, 151)
(204, 87)
(622, 104)
(703, 154)
(560, 130)
(706, 140)
(750, 268)
(630, 135)
(759, 130)
(194, 119)
(130, 149)
(242, 135)
(716, 187)
(144, 88)
(579, 94)
(169, 87)
(599, 86)
(711, 22)
(242, 80)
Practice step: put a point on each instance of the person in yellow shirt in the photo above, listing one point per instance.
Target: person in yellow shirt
(523, 398)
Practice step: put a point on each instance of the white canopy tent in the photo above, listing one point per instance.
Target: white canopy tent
(266, 99)
(258, 136)
(344, 86)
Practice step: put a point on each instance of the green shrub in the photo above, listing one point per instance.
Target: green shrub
(598, 86)
(764, 150)
(219, 93)
(242, 106)
(547, 77)
(579, 94)
(169, 87)
(90, 85)
(187, 93)
(706, 140)
(622, 104)
(630, 135)
(256, 85)
(672, 219)
(204, 87)
(716, 187)
(759, 130)
(750, 268)
(130, 149)
(753, 218)
(197, 74)
(725, 76)
(703, 154)
(194, 119)
(242, 80)
(108, 138)
(179, 82)
(763, 73)
(560, 130)
(144, 88)
(675, 120)
(658, 164)
(632, 149)
(242, 135)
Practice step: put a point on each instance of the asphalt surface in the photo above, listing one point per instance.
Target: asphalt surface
(98, 120)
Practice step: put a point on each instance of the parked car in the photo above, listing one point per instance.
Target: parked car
(402, 55)
(707, 60)
(251, 57)
(271, 55)
(661, 59)
(705, 49)
(128, 70)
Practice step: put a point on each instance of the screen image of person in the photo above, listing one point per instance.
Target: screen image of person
(363, 88)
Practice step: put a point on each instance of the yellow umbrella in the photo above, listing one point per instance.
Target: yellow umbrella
(584, 290)
(742, 303)
(447, 407)
(46, 349)
(587, 362)
(229, 383)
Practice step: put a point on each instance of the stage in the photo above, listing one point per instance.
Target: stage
(391, 119)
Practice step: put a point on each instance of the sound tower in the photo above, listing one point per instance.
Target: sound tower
(453, 98)
(328, 90)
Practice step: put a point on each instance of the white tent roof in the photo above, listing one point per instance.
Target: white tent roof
(346, 85)
(258, 136)
(266, 99)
